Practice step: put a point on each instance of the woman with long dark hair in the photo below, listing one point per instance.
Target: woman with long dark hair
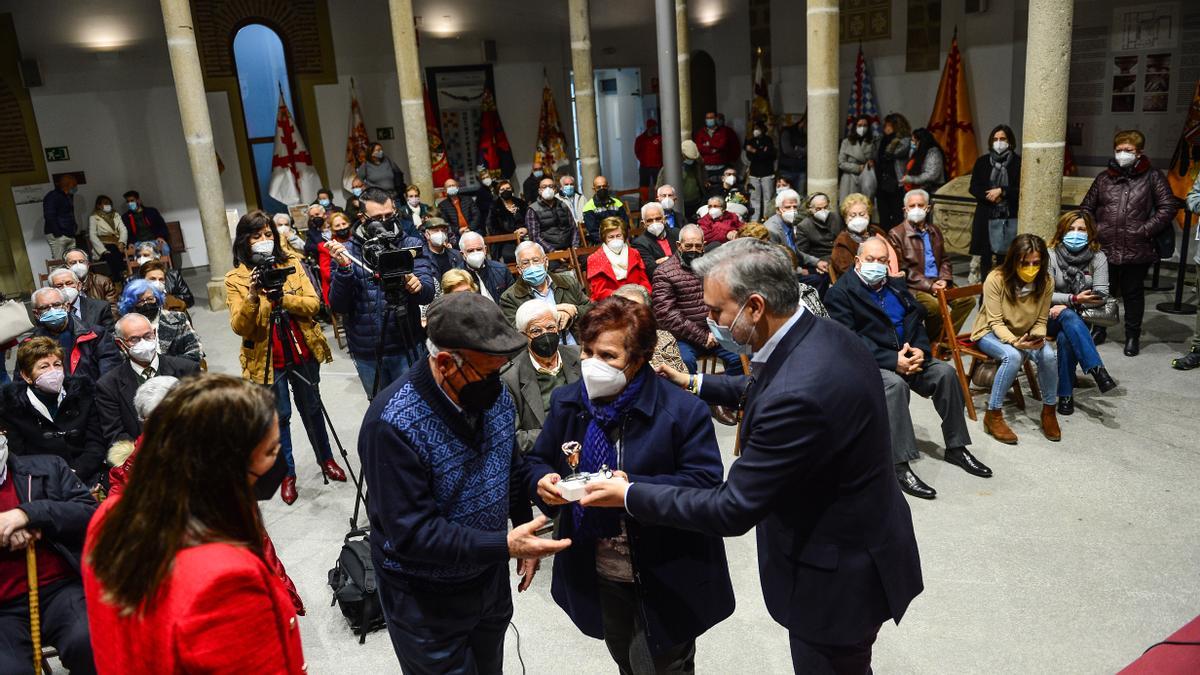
(507, 216)
(1011, 327)
(268, 350)
(926, 169)
(995, 184)
(889, 167)
(856, 159)
(173, 569)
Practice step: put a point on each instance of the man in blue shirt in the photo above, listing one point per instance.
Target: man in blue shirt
(58, 212)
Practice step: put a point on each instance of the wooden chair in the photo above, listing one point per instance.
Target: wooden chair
(954, 347)
(583, 238)
(176, 242)
(51, 264)
(581, 255)
(339, 330)
(564, 256)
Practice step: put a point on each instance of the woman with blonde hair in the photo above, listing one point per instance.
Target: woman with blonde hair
(458, 281)
(615, 263)
(856, 212)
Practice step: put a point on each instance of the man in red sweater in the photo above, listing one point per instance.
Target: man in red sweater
(717, 144)
(648, 150)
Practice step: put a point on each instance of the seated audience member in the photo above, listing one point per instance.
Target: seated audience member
(145, 223)
(926, 266)
(815, 233)
(135, 336)
(666, 198)
(885, 315)
(293, 243)
(656, 243)
(485, 194)
(560, 290)
(533, 375)
(325, 199)
(89, 350)
(783, 222)
(353, 207)
(437, 247)
(95, 286)
(458, 281)
(143, 252)
(648, 591)
(679, 304)
(48, 412)
(532, 185)
(174, 333)
(459, 211)
(336, 227)
(89, 311)
(734, 190)
(491, 278)
(856, 211)
(1080, 273)
(601, 206)
(170, 282)
(507, 216)
(572, 196)
(167, 596)
(109, 239)
(614, 264)
(315, 222)
(549, 222)
(1011, 327)
(412, 212)
(718, 224)
(42, 504)
(666, 350)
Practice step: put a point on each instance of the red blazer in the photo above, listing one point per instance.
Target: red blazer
(220, 610)
(604, 281)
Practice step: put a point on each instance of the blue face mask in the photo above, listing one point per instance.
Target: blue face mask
(1075, 241)
(724, 334)
(710, 123)
(323, 202)
(357, 192)
(568, 190)
(534, 275)
(872, 272)
(132, 206)
(53, 318)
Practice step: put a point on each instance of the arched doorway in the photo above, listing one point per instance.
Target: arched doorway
(704, 86)
(262, 72)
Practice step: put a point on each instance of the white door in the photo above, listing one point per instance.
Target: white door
(619, 121)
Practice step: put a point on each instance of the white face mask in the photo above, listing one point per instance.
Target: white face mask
(858, 224)
(1000, 147)
(600, 379)
(437, 238)
(667, 203)
(487, 181)
(655, 229)
(285, 232)
(757, 133)
(1125, 158)
(862, 131)
(142, 260)
(69, 294)
(821, 215)
(160, 285)
(144, 351)
(715, 212)
(80, 270)
(265, 247)
(476, 259)
(452, 190)
(107, 208)
(729, 180)
(547, 193)
(788, 215)
(414, 202)
(615, 245)
(916, 215)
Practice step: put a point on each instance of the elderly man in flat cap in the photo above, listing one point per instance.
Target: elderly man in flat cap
(438, 449)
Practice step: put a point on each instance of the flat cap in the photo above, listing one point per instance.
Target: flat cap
(433, 221)
(471, 321)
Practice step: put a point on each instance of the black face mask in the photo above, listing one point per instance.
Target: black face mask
(342, 234)
(686, 258)
(147, 310)
(544, 345)
(602, 194)
(479, 396)
(506, 194)
(316, 222)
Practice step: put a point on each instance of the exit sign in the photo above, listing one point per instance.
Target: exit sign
(58, 154)
(383, 134)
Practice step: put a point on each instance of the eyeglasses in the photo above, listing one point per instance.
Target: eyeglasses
(691, 248)
(133, 340)
(529, 263)
(535, 332)
(53, 305)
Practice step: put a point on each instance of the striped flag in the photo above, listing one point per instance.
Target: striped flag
(862, 98)
(439, 168)
(951, 122)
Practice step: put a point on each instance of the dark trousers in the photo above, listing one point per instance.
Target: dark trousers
(1128, 280)
(939, 381)
(115, 258)
(449, 632)
(891, 208)
(648, 176)
(810, 658)
(625, 634)
(64, 626)
(309, 408)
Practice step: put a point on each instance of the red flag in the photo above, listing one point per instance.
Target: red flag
(357, 142)
(551, 148)
(494, 151)
(950, 122)
(438, 166)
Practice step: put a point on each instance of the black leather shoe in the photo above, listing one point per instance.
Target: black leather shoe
(1099, 335)
(1187, 361)
(1133, 344)
(1103, 380)
(1066, 405)
(913, 485)
(962, 458)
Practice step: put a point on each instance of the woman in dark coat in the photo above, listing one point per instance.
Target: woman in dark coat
(1132, 204)
(507, 216)
(889, 166)
(995, 184)
(640, 588)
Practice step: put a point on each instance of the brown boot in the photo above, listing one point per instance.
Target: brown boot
(994, 424)
(1050, 424)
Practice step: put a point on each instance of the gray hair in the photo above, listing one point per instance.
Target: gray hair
(57, 271)
(283, 219)
(462, 241)
(434, 350)
(523, 246)
(629, 290)
(530, 310)
(664, 186)
(786, 194)
(652, 205)
(747, 266)
(691, 228)
(118, 327)
(46, 289)
(916, 191)
(151, 392)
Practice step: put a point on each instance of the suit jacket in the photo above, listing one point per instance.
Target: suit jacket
(95, 313)
(838, 557)
(521, 379)
(851, 304)
(650, 249)
(567, 290)
(114, 397)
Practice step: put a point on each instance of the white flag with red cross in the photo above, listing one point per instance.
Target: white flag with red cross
(293, 178)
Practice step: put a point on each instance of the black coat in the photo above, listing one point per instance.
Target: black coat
(849, 302)
(114, 397)
(494, 276)
(650, 250)
(469, 208)
(521, 379)
(836, 551)
(177, 287)
(93, 354)
(981, 182)
(96, 313)
(73, 435)
(57, 503)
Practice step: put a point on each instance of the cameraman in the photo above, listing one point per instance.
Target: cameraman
(256, 251)
(356, 295)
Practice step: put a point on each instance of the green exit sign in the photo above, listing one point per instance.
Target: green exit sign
(384, 134)
(58, 154)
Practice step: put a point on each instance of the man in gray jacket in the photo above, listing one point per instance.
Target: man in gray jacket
(535, 373)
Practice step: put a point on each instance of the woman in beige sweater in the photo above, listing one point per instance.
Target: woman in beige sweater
(1011, 327)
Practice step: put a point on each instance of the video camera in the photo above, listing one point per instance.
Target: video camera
(384, 251)
(270, 278)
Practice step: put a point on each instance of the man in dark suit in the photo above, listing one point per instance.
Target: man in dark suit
(656, 244)
(89, 311)
(493, 278)
(135, 337)
(890, 322)
(837, 554)
(535, 373)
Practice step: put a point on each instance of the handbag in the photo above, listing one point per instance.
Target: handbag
(867, 182)
(14, 321)
(1106, 315)
(984, 373)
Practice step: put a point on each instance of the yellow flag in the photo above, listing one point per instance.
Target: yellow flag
(951, 122)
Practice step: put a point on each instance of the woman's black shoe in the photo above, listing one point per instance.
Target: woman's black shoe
(1066, 405)
(1099, 335)
(1103, 380)
(1133, 344)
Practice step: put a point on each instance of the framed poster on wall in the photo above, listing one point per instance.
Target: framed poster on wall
(456, 94)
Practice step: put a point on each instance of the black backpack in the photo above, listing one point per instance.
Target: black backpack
(354, 588)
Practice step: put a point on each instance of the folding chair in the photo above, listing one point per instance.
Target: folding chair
(581, 254)
(954, 346)
(566, 256)
(583, 238)
(339, 330)
(51, 264)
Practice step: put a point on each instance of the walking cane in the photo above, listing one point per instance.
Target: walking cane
(35, 618)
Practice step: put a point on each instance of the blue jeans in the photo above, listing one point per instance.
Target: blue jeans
(1001, 232)
(1010, 359)
(1075, 346)
(310, 412)
(393, 368)
(690, 353)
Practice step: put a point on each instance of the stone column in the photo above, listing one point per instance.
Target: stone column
(197, 132)
(412, 96)
(585, 97)
(1047, 73)
(683, 50)
(823, 123)
(668, 81)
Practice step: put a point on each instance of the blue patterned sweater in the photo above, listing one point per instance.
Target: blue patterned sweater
(439, 488)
